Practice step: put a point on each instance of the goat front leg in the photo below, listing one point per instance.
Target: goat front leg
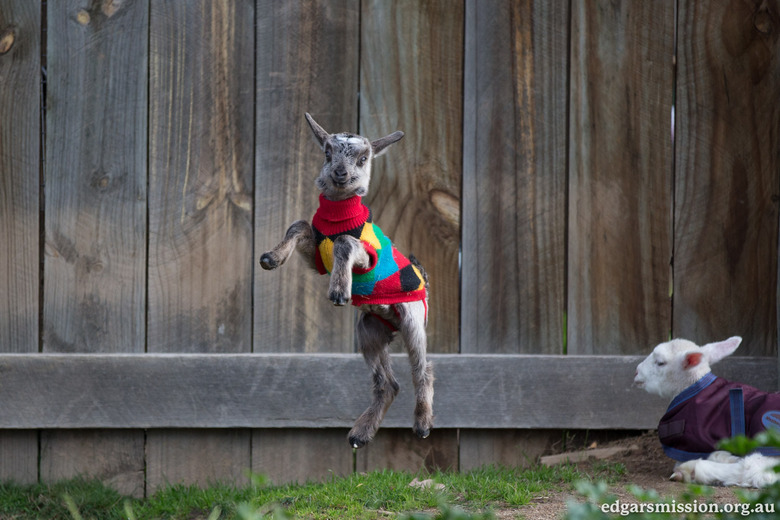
(348, 252)
(373, 338)
(299, 237)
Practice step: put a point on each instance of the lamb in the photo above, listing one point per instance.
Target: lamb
(390, 290)
(680, 370)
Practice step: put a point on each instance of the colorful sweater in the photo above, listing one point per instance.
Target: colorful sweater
(712, 409)
(390, 278)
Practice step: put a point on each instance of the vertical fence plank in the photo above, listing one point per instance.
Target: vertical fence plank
(95, 175)
(401, 450)
(200, 187)
(726, 214)
(415, 187)
(200, 252)
(307, 57)
(514, 176)
(620, 176)
(20, 30)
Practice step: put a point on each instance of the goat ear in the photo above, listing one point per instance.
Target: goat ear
(380, 145)
(319, 133)
(717, 351)
(691, 360)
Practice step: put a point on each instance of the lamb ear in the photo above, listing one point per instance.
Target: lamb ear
(691, 360)
(380, 145)
(319, 133)
(717, 351)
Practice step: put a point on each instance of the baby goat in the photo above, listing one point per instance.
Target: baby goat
(390, 290)
(705, 409)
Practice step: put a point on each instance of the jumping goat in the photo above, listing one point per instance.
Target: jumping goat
(390, 290)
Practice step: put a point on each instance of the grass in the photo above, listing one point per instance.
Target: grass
(380, 494)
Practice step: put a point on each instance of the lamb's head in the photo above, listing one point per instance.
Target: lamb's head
(675, 365)
(347, 168)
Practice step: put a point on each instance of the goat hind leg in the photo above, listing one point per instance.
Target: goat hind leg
(412, 328)
(373, 338)
(299, 237)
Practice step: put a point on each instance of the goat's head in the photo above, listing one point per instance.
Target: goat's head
(347, 168)
(675, 365)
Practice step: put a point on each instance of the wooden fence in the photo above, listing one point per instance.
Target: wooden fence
(581, 179)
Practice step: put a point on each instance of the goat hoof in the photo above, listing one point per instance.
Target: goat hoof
(356, 443)
(422, 433)
(267, 262)
(338, 299)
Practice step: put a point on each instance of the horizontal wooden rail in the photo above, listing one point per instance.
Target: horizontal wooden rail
(329, 390)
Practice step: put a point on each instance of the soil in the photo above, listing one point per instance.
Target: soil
(646, 466)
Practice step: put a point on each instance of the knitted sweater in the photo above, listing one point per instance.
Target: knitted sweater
(703, 414)
(390, 278)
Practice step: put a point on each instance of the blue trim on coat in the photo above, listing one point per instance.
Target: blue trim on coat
(692, 390)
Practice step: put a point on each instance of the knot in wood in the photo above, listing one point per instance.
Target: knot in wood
(7, 38)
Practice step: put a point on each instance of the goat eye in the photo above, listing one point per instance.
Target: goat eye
(660, 363)
(362, 160)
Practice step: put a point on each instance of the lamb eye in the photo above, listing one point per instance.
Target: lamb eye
(362, 160)
(660, 363)
(327, 155)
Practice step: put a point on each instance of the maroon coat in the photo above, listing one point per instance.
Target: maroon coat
(712, 409)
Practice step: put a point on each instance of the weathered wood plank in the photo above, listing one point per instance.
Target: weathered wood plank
(415, 187)
(402, 450)
(96, 201)
(19, 456)
(115, 457)
(20, 125)
(95, 174)
(267, 391)
(307, 61)
(293, 455)
(726, 215)
(514, 178)
(196, 457)
(620, 176)
(200, 185)
(510, 448)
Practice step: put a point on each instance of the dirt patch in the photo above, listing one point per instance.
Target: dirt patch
(646, 466)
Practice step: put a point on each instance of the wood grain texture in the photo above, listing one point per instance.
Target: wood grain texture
(197, 457)
(95, 174)
(509, 448)
(266, 391)
(726, 216)
(411, 56)
(402, 450)
(19, 456)
(514, 177)
(200, 184)
(620, 166)
(114, 457)
(295, 455)
(307, 61)
(20, 125)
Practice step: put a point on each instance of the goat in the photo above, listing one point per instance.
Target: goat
(705, 409)
(390, 290)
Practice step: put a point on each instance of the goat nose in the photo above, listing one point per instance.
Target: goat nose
(340, 172)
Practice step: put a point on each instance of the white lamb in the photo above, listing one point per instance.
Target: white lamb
(699, 416)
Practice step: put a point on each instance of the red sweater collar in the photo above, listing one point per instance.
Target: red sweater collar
(340, 210)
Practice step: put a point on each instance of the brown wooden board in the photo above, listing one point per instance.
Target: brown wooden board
(115, 457)
(620, 167)
(200, 166)
(95, 175)
(514, 177)
(268, 391)
(415, 186)
(296, 455)
(20, 125)
(401, 450)
(307, 61)
(727, 182)
(197, 457)
(94, 297)
(509, 448)
(19, 456)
